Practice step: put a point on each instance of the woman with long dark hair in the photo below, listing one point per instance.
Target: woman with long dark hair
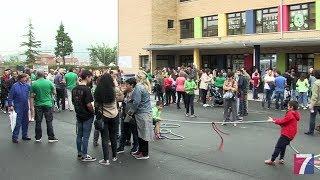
(105, 100)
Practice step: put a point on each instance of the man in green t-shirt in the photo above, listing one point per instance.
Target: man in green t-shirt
(42, 90)
(71, 79)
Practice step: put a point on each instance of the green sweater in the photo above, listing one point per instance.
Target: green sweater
(156, 113)
(190, 86)
(219, 81)
(302, 86)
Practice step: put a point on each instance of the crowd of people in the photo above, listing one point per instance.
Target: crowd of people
(121, 110)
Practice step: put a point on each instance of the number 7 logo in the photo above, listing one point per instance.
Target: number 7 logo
(303, 164)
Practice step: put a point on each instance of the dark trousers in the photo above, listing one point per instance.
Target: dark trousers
(312, 123)
(143, 147)
(173, 95)
(230, 106)
(22, 123)
(255, 92)
(159, 96)
(125, 134)
(268, 94)
(41, 111)
(183, 95)
(243, 110)
(61, 98)
(109, 133)
(190, 103)
(279, 97)
(280, 148)
(168, 96)
(204, 93)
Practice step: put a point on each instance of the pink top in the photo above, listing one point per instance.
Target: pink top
(180, 84)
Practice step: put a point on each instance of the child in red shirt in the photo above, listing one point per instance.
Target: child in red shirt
(289, 126)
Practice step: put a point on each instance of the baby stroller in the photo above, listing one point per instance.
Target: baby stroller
(287, 97)
(217, 95)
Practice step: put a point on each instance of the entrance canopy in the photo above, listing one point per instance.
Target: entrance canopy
(238, 44)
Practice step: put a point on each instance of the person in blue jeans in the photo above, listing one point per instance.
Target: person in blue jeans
(82, 100)
(18, 101)
(280, 84)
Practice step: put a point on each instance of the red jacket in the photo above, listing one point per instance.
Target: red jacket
(289, 124)
(167, 82)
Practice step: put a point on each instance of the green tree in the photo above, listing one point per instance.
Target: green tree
(102, 53)
(13, 61)
(31, 44)
(64, 44)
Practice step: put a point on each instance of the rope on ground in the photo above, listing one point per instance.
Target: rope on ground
(168, 134)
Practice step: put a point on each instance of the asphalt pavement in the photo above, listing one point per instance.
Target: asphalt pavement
(196, 157)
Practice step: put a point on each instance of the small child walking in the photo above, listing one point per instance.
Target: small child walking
(289, 126)
(156, 112)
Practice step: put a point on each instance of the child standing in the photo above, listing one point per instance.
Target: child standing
(190, 86)
(289, 126)
(156, 112)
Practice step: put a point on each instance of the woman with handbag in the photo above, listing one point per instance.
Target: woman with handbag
(230, 88)
(204, 84)
(106, 105)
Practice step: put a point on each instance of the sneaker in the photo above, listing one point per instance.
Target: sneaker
(114, 159)
(308, 133)
(281, 161)
(193, 116)
(269, 162)
(134, 150)
(88, 158)
(38, 140)
(187, 115)
(104, 162)
(240, 118)
(235, 124)
(15, 141)
(120, 150)
(31, 120)
(223, 124)
(53, 140)
(26, 138)
(141, 157)
(135, 153)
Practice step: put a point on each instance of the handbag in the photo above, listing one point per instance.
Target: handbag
(228, 95)
(99, 123)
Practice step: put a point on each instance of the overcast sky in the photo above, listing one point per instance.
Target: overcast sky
(87, 22)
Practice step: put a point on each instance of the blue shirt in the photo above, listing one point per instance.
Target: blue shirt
(280, 83)
(19, 96)
(141, 99)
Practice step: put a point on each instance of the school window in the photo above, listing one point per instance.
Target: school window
(210, 26)
(186, 28)
(236, 23)
(302, 17)
(300, 62)
(144, 62)
(170, 24)
(267, 20)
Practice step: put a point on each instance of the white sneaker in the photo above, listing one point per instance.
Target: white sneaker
(103, 162)
(88, 158)
(187, 115)
(38, 140)
(193, 116)
(114, 159)
(235, 124)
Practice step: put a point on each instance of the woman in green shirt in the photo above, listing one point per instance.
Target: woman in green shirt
(303, 88)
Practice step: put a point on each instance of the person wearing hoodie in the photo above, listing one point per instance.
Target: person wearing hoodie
(314, 102)
(289, 128)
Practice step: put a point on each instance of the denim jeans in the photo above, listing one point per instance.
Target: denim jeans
(190, 103)
(312, 123)
(303, 99)
(230, 106)
(109, 133)
(22, 122)
(279, 97)
(83, 134)
(268, 93)
(255, 92)
(183, 95)
(293, 95)
(41, 111)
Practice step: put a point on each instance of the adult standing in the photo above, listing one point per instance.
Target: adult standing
(255, 80)
(167, 83)
(268, 87)
(42, 90)
(141, 109)
(19, 101)
(5, 90)
(230, 88)
(180, 88)
(280, 85)
(83, 102)
(71, 79)
(303, 88)
(190, 86)
(60, 90)
(106, 101)
(204, 85)
(314, 103)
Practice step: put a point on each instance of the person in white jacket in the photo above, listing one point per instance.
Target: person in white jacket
(204, 84)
